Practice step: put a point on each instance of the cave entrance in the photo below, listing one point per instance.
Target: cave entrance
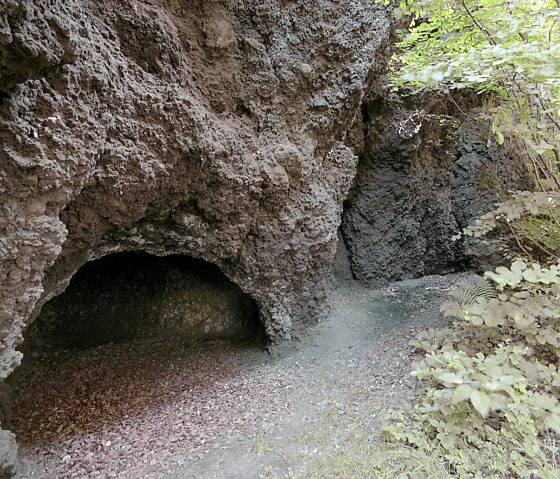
(132, 296)
(127, 341)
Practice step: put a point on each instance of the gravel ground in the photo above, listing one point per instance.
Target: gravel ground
(170, 409)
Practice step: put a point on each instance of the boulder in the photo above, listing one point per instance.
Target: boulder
(209, 129)
(483, 174)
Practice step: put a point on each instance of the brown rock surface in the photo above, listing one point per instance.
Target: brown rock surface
(206, 128)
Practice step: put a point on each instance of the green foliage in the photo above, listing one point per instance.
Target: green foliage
(466, 294)
(531, 222)
(490, 408)
(493, 382)
(508, 50)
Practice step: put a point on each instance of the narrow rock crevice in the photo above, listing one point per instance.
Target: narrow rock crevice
(398, 220)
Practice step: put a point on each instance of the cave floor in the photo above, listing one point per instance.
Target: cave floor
(168, 409)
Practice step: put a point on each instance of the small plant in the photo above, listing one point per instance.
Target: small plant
(492, 380)
(261, 446)
(268, 473)
(528, 225)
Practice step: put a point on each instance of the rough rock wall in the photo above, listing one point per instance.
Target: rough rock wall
(481, 175)
(398, 219)
(208, 128)
(425, 172)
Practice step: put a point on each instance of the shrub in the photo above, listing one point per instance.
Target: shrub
(528, 225)
(492, 380)
(490, 408)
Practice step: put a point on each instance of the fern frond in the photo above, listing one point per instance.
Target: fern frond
(467, 294)
(453, 308)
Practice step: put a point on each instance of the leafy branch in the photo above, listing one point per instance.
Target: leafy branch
(513, 60)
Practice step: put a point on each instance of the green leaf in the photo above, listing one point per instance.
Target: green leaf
(553, 421)
(545, 401)
(481, 402)
(518, 266)
(462, 393)
(450, 378)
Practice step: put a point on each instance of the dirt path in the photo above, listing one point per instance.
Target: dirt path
(172, 410)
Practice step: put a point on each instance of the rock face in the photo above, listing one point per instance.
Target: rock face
(202, 128)
(425, 173)
(399, 219)
(128, 296)
(213, 129)
(480, 175)
(8, 456)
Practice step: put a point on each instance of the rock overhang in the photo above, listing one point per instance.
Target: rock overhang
(210, 130)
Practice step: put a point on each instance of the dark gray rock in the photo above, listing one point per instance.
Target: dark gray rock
(5, 404)
(425, 173)
(398, 220)
(342, 268)
(8, 454)
(483, 175)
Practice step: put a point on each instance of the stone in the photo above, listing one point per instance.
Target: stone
(8, 454)
(5, 404)
(133, 126)
(420, 181)
(111, 144)
(398, 219)
(219, 34)
(480, 174)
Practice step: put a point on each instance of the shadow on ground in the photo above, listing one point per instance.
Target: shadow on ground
(165, 409)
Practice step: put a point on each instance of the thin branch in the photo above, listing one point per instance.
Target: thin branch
(516, 238)
(535, 168)
(538, 245)
(548, 114)
(551, 29)
(455, 103)
(556, 152)
(481, 27)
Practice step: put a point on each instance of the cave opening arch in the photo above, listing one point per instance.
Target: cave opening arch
(131, 331)
(131, 296)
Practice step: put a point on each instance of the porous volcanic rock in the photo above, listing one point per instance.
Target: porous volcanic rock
(426, 171)
(208, 128)
(482, 174)
(8, 455)
(398, 219)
